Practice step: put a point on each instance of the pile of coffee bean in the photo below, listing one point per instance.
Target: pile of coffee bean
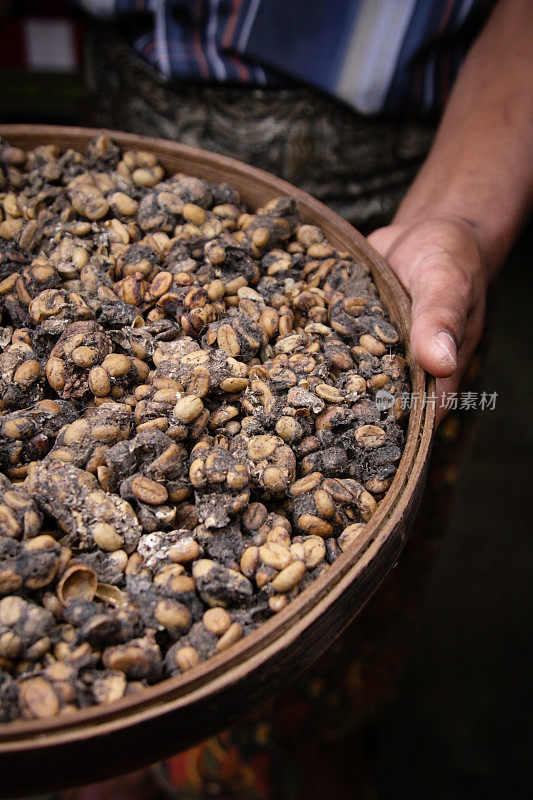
(192, 425)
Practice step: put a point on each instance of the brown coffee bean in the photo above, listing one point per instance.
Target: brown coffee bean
(372, 344)
(106, 537)
(98, 381)
(289, 577)
(216, 621)
(173, 616)
(231, 636)
(352, 535)
(187, 658)
(124, 204)
(147, 176)
(275, 555)
(324, 503)
(193, 213)
(314, 526)
(228, 341)
(234, 384)
(161, 284)
(188, 408)
(84, 356)
(149, 491)
(56, 373)
(329, 393)
(116, 365)
(185, 550)
(28, 372)
(37, 699)
(314, 551)
(370, 436)
(306, 484)
(262, 447)
(249, 561)
(277, 602)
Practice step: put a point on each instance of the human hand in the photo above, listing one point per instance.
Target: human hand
(440, 263)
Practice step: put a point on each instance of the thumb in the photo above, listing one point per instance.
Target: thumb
(438, 261)
(440, 295)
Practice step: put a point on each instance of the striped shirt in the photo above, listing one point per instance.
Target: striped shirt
(375, 55)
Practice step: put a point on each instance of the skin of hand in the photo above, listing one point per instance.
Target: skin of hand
(439, 262)
(456, 224)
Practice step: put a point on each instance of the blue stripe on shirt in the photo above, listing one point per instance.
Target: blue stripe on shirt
(308, 44)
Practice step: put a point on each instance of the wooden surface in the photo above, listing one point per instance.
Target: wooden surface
(102, 741)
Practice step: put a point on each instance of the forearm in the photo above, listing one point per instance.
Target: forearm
(480, 167)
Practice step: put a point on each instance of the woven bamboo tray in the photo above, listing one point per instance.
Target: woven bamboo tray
(103, 741)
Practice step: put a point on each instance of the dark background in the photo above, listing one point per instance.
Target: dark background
(461, 727)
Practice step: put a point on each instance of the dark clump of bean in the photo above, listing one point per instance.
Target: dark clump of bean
(20, 517)
(29, 434)
(192, 424)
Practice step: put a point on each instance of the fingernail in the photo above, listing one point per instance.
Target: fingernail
(448, 347)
